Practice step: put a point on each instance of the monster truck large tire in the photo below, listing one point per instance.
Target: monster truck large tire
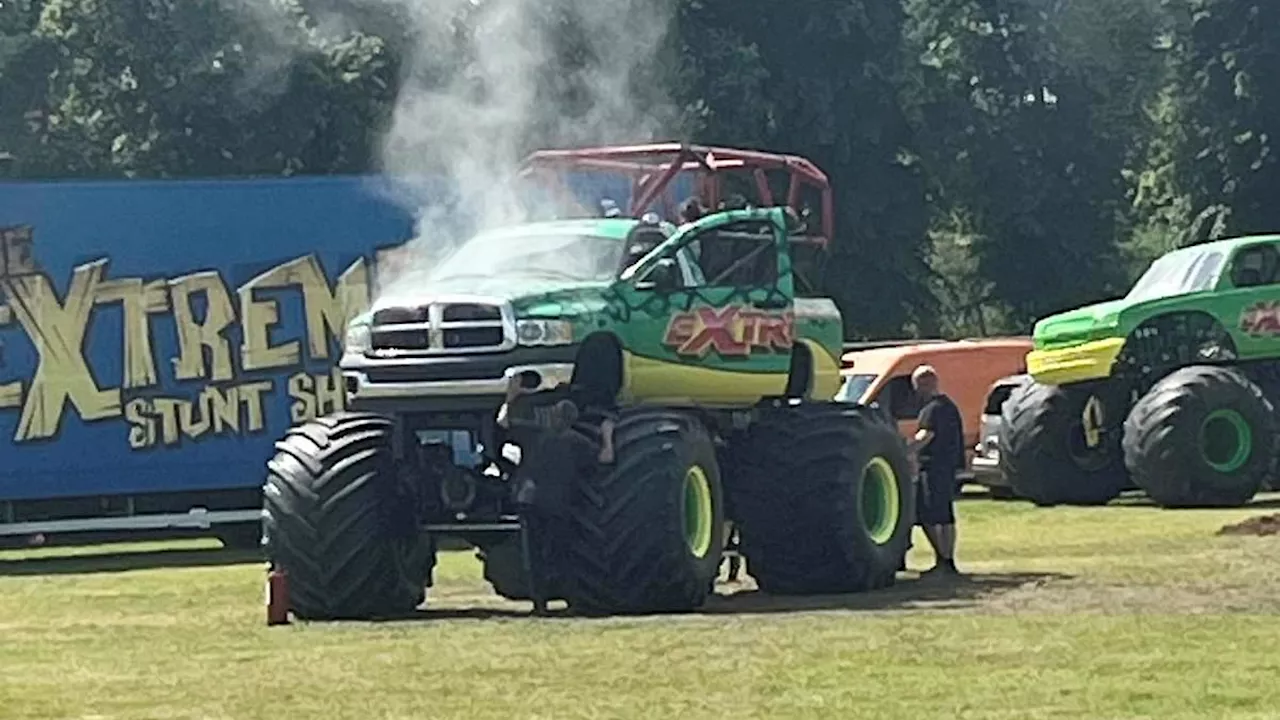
(1202, 437)
(1042, 449)
(825, 499)
(340, 526)
(648, 530)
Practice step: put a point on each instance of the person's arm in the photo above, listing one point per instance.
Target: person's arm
(926, 431)
(504, 412)
(922, 438)
(507, 421)
(510, 420)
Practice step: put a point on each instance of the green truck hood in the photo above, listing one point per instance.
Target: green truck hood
(577, 303)
(1092, 322)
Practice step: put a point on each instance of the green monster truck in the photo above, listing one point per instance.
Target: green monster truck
(1169, 389)
(693, 349)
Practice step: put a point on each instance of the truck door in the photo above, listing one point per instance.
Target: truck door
(712, 313)
(1249, 290)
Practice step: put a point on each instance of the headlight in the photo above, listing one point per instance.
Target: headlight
(544, 332)
(357, 339)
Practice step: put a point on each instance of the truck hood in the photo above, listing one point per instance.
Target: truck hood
(531, 297)
(1091, 322)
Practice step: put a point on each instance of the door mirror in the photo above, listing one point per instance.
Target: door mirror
(664, 276)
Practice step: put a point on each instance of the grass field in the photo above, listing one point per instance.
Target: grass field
(1123, 611)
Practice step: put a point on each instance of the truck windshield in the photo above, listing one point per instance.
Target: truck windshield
(855, 386)
(1178, 273)
(572, 258)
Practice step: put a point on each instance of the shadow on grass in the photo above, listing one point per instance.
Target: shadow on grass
(909, 593)
(971, 494)
(438, 614)
(111, 562)
(1128, 498)
(1140, 500)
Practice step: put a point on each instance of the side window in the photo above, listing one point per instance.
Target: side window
(899, 399)
(995, 401)
(737, 254)
(689, 275)
(1205, 273)
(1255, 266)
(638, 243)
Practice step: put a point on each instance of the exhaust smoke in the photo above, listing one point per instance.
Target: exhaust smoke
(489, 80)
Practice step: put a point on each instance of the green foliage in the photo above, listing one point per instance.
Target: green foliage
(188, 88)
(819, 78)
(1025, 114)
(1226, 55)
(994, 161)
(25, 60)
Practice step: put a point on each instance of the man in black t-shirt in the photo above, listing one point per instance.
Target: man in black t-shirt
(939, 444)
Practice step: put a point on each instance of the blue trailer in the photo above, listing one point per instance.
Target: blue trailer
(157, 337)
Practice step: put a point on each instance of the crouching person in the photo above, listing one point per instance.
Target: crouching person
(553, 455)
(554, 458)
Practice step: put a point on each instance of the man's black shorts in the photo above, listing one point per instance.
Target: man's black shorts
(935, 503)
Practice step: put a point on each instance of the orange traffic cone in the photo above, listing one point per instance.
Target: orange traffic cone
(277, 597)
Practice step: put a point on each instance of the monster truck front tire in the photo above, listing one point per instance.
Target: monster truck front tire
(340, 526)
(647, 530)
(1203, 436)
(825, 499)
(1042, 450)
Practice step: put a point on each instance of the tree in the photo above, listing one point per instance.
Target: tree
(819, 79)
(1225, 113)
(25, 59)
(1027, 114)
(167, 88)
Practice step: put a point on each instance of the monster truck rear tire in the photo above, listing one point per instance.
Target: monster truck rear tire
(340, 526)
(1204, 436)
(1039, 429)
(647, 530)
(825, 499)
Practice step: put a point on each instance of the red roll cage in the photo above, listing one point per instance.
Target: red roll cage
(652, 169)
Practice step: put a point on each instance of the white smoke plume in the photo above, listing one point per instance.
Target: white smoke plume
(482, 83)
(491, 79)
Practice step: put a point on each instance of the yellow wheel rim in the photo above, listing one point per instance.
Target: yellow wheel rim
(699, 514)
(881, 501)
(1091, 422)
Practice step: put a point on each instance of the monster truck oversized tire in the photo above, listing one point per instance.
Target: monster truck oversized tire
(1037, 429)
(1202, 437)
(338, 524)
(824, 498)
(648, 530)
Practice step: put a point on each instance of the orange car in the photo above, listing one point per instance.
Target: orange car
(966, 370)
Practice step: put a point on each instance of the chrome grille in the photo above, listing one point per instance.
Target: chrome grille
(443, 327)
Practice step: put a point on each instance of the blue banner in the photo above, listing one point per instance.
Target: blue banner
(159, 336)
